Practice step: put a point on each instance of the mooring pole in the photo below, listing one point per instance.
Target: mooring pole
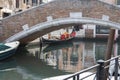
(110, 44)
(109, 48)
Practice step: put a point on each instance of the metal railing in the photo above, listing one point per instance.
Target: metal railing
(105, 70)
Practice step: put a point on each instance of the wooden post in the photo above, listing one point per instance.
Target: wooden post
(110, 44)
(109, 48)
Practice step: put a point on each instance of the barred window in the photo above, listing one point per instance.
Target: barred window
(34, 2)
(17, 3)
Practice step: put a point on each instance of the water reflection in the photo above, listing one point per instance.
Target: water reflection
(35, 63)
(71, 56)
(72, 59)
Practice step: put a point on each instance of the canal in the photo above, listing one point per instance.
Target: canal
(33, 62)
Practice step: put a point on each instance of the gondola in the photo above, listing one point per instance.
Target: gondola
(49, 41)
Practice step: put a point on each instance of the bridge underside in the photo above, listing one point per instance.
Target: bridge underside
(40, 34)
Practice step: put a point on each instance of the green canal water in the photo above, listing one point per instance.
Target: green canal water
(35, 63)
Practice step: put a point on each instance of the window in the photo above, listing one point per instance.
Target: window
(40, 1)
(34, 2)
(24, 1)
(17, 3)
(118, 31)
(118, 2)
(27, 2)
(102, 29)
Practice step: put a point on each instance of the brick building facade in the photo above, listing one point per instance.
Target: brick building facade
(8, 7)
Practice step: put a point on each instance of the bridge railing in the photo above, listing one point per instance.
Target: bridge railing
(105, 70)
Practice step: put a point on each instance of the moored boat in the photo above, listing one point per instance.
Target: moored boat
(8, 49)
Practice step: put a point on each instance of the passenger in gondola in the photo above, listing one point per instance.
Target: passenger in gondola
(62, 37)
(65, 35)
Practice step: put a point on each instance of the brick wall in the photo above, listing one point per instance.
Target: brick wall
(89, 33)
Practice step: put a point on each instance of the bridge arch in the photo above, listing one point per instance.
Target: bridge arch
(46, 27)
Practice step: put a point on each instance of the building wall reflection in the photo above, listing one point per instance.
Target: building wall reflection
(72, 59)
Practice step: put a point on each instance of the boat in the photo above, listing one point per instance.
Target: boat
(50, 41)
(8, 49)
(65, 37)
(58, 36)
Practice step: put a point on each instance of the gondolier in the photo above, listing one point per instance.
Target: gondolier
(73, 34)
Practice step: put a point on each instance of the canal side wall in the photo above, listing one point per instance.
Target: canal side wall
(55, 9)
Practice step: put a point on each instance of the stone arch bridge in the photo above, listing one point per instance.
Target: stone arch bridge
(35, 22)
